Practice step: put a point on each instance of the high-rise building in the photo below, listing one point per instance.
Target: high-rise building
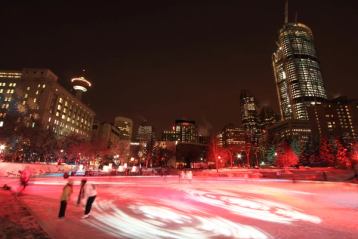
(145, 132)
(335, 119)
(233, 136)
(106, 133)
(34, 98)
(297, 72)
(186, 131)
(125, 126)
(267, 117)
(289, 130)
(169, 135)
(249, 117)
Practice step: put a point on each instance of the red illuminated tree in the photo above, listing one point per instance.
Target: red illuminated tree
(354, 154)
(342, 156)
(326, 155)
(286, 157)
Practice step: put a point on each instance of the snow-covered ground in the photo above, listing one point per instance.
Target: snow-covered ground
(156, 207)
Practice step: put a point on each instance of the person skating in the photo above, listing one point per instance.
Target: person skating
(89, 192)
(24, 180)
(65, 196)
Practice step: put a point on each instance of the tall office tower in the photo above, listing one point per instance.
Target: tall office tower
(34, 98)
(249, 117)
(186, 131)
(297, 72)
(125, 126)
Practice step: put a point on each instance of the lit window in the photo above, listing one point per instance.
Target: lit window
(1, 90)
(60, 100)
(14, 84)
(59, 107)
(1, 123)
(49, 119)
(28, 88)
(43, 86)
(35, 100)
(37, 92)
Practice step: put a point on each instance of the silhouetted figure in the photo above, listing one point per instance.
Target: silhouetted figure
(80, 194)
(324, 175)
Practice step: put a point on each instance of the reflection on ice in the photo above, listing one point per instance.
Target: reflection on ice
(164, 221)
(253, 208)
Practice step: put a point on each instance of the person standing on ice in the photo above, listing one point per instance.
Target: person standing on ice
(65, 196)
(89, 192)
(24, 180)
(81, 193)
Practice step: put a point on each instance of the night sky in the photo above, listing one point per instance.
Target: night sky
(163, 60)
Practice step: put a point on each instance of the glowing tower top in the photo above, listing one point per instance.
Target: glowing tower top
(80, 85)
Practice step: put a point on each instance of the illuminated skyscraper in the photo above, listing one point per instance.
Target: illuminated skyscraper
(249, 117)
(297, 72)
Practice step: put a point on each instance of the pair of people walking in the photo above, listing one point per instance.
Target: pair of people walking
(87, 191)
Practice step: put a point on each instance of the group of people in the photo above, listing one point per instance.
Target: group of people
(87, 192)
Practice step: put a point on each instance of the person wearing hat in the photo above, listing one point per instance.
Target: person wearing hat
(65, 196)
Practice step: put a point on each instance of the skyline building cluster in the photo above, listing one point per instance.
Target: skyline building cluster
(34, 98)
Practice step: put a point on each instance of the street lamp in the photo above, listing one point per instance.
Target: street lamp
(2, 147)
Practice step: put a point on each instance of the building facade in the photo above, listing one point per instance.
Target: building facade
(297, 72)
(289, 130)
(186, 131)
(145, 133)
(233, 136)
(335, 119)
(34, 98)
(249, 115)
(125, 127)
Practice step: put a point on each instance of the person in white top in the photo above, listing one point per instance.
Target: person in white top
(89, 192)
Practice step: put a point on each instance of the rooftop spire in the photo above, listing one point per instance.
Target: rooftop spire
(286, 11)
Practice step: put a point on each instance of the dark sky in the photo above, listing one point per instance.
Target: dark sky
(162, 60)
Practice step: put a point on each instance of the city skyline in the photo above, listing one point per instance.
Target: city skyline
(163, 61)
